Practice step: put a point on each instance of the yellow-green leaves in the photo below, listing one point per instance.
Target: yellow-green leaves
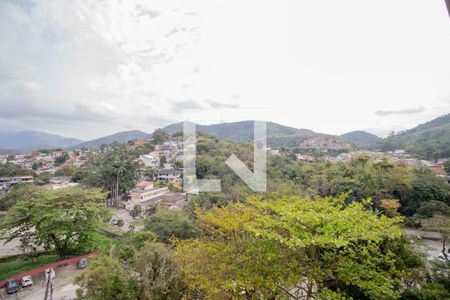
(291, 247)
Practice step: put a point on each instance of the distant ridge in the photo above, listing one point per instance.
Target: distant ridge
(32, 140)
(121, 137)
(430, 140)
(363, 139)
(277, 135)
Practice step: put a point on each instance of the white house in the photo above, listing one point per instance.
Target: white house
(144, 191)
(151, 161)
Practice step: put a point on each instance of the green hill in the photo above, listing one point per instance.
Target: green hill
(363, 139)
(430, 140)
(277, 135)
(121, 137)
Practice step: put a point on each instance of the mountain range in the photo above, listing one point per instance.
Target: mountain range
(27, 140)
(277, 135)
(428, 140)
(121, 137)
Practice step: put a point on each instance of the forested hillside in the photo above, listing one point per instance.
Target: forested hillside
(430, 140)
(278, 136)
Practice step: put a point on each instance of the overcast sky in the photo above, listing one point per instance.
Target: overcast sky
(90, 68)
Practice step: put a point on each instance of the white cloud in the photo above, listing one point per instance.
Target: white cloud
(87, 68)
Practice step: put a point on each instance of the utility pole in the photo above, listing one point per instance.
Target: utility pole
(50, 281)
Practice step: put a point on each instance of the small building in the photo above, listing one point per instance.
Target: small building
(144, 191)
(150, 160)
(168, 175)
(7, 182)
(57, 183)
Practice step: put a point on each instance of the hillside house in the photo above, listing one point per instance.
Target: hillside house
(150, 160)
(168, 175)
(144, 191)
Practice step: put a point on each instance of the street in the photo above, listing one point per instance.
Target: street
(63, 289)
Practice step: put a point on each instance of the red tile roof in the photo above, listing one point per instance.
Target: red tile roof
(144, 183)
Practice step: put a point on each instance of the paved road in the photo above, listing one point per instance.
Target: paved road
(432, 248)
(127, 219)
(64, 287)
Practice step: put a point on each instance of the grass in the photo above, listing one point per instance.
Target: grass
(11, 268)
(110, 228)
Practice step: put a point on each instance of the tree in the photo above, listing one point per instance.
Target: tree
(294, 248)
(60, 160)
(426, 187)
(105, 279)
(167, 224)
(426, 292)
(428, 209)
(447, 166)
(139, 268)
(160, 136)
(21, 192)
(10, 169)
(162, 161)
(120, 223)
(114, 169)
(65, 220)
(136, 211)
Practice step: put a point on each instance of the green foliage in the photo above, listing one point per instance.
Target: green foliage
(447, 166)
(276, 248)
(11, 268)
(61, 159)
(9, 169)
(430, 140)
(137, 269)
(66, 171)
(425, 187)
(21, 192)
(120, 222)
(286, 175)
(65, 220)
(427, 292)
(167, 224)
(136, 211)
(35, 166)
(113, 169)
(433, 207)
(160, 136)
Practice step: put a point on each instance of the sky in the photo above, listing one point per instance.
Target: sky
(87, 69)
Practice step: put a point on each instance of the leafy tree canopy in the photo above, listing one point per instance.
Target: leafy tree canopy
(167, 224)
(64, 220)
(293, 247)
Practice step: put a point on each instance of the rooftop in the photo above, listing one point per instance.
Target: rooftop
(144, 184)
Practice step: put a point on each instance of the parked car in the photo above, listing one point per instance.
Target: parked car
(27, 281)
(113, 222)
(12, 286)
(82, 263)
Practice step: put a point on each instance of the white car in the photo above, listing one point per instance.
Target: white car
(27, 281)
